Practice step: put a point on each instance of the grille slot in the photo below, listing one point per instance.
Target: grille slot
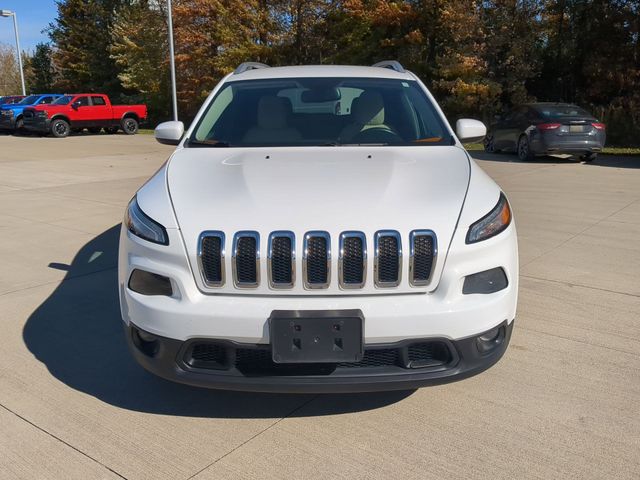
(211, 258)
(428, 354)
(317, 260)
(353, 259)
(388, 261)
(281, 259)
(246, 259)
(423, 252)
(207, 355)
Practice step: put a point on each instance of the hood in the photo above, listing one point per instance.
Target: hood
(334, 189)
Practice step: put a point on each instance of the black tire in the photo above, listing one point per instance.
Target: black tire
(129, 125)
(524, 150)
(94, 130)
(111, 130)
(489, 146)
(589, 157)
(60, 128)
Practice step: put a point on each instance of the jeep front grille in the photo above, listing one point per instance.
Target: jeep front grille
(211, 258)
(246, 259)
(388, 260)
(422, 245)
(281, 260)
(352, 262)
(316, 262)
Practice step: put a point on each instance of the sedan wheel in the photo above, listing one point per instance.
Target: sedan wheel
(489, 145)
(60, 128)
(524, 152)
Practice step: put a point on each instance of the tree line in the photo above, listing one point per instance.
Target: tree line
(479, 57)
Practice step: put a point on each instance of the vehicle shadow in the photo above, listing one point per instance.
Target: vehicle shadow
(77, 333)
(603, 160)
(513, 158)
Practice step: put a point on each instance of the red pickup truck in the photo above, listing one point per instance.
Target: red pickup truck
(84, 110)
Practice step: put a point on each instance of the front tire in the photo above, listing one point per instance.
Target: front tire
(60, 128)
(524, 149)
(130, 126)
(489, 145)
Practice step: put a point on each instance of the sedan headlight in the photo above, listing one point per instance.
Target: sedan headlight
(492, 223)
(142, 226)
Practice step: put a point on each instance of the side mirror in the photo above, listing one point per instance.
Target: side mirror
(469, 130)
(169, 133)
(76, 105)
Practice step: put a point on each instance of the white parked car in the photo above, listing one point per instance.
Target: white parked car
(319, 229)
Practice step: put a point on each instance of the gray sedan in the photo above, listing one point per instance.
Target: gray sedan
(538, 129)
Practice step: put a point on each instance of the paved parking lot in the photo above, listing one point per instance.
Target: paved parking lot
(563, 402)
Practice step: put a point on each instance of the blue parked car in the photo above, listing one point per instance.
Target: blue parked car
(11, 114)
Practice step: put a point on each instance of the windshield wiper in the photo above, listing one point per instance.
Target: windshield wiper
(208, 143)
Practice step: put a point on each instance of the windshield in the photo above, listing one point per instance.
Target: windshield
(29, 100)
(560, 111)
(63, 100)
(320, 111)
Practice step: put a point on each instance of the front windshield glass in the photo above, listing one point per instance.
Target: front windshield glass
(320, 111)
(29, 100)
(63, 100)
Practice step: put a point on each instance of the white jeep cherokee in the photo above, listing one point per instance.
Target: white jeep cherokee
(318, 229)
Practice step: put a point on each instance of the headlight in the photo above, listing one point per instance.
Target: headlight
(142, 226)
(492, 223)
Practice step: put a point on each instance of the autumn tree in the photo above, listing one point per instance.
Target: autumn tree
(9, 71)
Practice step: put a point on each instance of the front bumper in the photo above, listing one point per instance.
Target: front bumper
(248, 367)
(37, 124)
(7, 122)
(566, 145)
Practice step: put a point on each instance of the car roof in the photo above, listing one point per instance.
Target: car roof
(320, 71)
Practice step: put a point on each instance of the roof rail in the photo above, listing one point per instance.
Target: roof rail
(246, 66)
(392, 64)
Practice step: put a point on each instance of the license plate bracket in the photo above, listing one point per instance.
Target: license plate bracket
(316, 336)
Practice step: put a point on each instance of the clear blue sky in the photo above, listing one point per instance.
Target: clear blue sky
(33, 17)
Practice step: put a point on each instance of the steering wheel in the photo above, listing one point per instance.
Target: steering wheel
(376, 135)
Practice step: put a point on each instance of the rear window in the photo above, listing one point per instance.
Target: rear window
(562, 111)
(320, 111)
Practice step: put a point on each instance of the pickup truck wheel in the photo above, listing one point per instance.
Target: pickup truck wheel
(94, 130)
(60, 128)
(111, 130)
(130, 126)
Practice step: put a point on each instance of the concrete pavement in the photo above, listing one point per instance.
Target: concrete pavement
(562, 403)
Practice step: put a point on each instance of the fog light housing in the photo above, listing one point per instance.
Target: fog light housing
(491, 339)
(146, 342)
(489, 281)
(147, 283)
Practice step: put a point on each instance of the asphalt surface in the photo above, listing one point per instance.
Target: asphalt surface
(562, 403)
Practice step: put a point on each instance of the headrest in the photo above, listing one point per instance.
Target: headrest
(272, 112)
(368, 109)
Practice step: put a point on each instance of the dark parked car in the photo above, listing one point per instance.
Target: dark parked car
(538, 129)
